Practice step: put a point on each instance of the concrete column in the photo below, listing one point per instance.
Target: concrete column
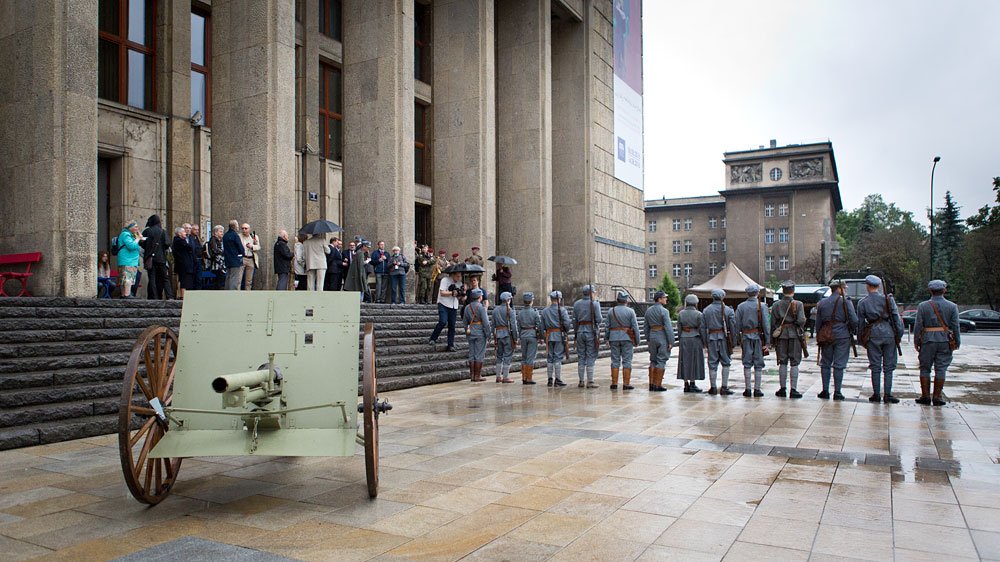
(378, 121)
(572, 192)
(253, 136)
(464, 129)
(524, 140)
(308, 119)
(173, 82)
(48, 141)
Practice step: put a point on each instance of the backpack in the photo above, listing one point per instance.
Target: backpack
(115, 247)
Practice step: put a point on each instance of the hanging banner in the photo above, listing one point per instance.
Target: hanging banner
(628, 91)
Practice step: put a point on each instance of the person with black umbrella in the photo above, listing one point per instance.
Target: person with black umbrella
(315, 249)
(449, 291)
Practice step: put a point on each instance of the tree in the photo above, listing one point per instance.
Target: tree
(949, 234)
(668, 286)
(873, 215)
(987, 216)
(978, 264)
(809, 270)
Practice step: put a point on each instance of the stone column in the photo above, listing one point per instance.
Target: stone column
(253, 113)
(524, 140)
(464, 130)
(48, 141)
(173, 82)
(378, 121)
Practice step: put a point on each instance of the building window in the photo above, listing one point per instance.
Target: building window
(768, 263)
(713, 269)
(676, 224)
(650, 293)
(330, 22)
(677, 270)
(652, 247)
(783, 263)
(783, 210)
(652, 271)
(769, 236)
(331, 116)
(421, 164)
(422, 42)
(688, 223)
(652, 226)
(723, 221)
(769, 210)
(688, 270)
(126, 52)
(713, 223)
(723, 245)
(713, 246)
(688, 246)
(677, 246)
(201, 64)
(783, 235)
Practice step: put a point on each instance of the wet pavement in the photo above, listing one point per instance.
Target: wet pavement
(513, 472)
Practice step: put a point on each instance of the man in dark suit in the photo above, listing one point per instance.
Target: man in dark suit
(232, 248)
(334, 266)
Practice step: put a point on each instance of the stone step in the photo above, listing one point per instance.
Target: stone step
(13, 381)
(59, 393)
(27, 415)
(56, 431)
(31, 364)
(56, 302)
(33, 324)
(63, 348)
(27, 336)
(15, 314)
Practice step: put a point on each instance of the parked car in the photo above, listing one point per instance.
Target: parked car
(984, 318)
(964, 324)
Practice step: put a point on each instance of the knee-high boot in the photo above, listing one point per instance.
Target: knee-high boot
(627, 379)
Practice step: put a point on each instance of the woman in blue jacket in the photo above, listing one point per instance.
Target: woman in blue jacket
(128, 257)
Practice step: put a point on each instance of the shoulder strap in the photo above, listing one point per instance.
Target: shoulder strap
(785, 316)
(938, 314)
(760, 318)
(844, 303)
(615, 316)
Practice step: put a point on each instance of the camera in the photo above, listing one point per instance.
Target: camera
(459, 290)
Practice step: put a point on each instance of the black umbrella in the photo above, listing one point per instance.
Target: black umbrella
(503, 260)
(321, 226)
(464, 268)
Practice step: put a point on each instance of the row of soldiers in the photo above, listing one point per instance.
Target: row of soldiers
(719, 328)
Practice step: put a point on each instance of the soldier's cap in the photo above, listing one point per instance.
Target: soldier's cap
(505, 296)
(587, 289)
(659, 295)
(789, 284)
(442, 252)
(718, 294)
(873, 280)
(837, 283)
(622, 296)
(753, 289)
(476, 293)
(555, 295)
(528, 297)
(455, 255)
(937, 285)
(475, 247)
(691, 300)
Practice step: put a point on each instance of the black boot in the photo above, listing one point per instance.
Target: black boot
(781, 393)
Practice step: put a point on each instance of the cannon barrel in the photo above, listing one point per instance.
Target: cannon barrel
(237, 380)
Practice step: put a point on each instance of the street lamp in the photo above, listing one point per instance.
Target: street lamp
(936, 160)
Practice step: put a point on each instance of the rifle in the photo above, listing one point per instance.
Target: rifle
(892, 322)
(597, 328)
(563, 332)
(760, 329)
(801, 336)
(510, 329)
(725, 328)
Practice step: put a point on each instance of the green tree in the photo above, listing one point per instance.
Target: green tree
(979, 265)
(948, 237)
(873, 215)
(987, 215)
(668, 286)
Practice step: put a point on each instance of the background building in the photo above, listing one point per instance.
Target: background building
(453, 122)
(777, 210)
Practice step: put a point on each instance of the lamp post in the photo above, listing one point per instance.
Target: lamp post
(936, 160)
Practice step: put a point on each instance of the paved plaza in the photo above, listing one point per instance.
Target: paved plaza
(512, 472)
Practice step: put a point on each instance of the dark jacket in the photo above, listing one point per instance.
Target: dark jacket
(233, 248)
(155, 245)
(381, 267)
(282, 256)
(183, 256)
(198, 248)
(335, 260)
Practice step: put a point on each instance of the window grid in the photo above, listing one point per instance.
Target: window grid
(688, 246)
(331, 21)
(652, 247)
(676, 224)
(769, 210)
(713, 246)
(713, 223)
(783, 235)
(650, 293)
(677, 246)
(768, 263)
(421, 163)
(677, 270)
(713, 269)
(204, 68)
(724, 245)
(422, 42)
(783, 263)
(723, 221)
(688, 270)
(652, 226)
(331, 112)
(783, 210)
(120, 47)
(688, 223)
(652, 271)
(769, 236)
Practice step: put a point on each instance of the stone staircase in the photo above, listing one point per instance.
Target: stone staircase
(62, 360)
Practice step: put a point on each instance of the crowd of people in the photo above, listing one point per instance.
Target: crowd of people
(711, 334)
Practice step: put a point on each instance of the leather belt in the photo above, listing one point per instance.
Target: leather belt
(656, 328)
(689, 329)
(585, 323)
(719, 331)
(936, 329)
(750, 331)
(475, 323)
(552, 331)
(620, 329)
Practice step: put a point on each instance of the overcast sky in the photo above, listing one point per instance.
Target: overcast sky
(891, 83)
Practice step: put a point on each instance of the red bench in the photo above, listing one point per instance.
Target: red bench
(22, 276)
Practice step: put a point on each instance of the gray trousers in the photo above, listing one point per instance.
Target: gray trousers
(881, 360)
(234, 275)
(834, 357)
(477, 348)
(381, 286)
(753, 353)
(529, 350)
(555, 352)
(586, 354)
(789, 350)
(934, 355)
(505, 350)
(718, 354)
(282, 282)
(659, 351)
(621, 354)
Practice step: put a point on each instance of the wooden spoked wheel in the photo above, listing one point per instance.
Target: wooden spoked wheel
(369, 389)
(148, 375)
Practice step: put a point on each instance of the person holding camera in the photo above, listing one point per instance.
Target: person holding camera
(449, 291)
(398, 268)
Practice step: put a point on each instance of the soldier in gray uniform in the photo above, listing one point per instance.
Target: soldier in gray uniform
(789, 318)
(837, 311)
(720, 325)
(586, 323)
(556, 323)
(622, 335)
(879, 321)
(694, 337)
(935, 327)
(529, 324)
(504, 336)
(660, 338)
(477, 331)
(754, 328)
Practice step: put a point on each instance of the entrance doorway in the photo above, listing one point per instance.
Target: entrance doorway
(110, 211)
(422, 224)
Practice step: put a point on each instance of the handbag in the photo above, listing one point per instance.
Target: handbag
(825, 335)
(781, 327)
(952, 344)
